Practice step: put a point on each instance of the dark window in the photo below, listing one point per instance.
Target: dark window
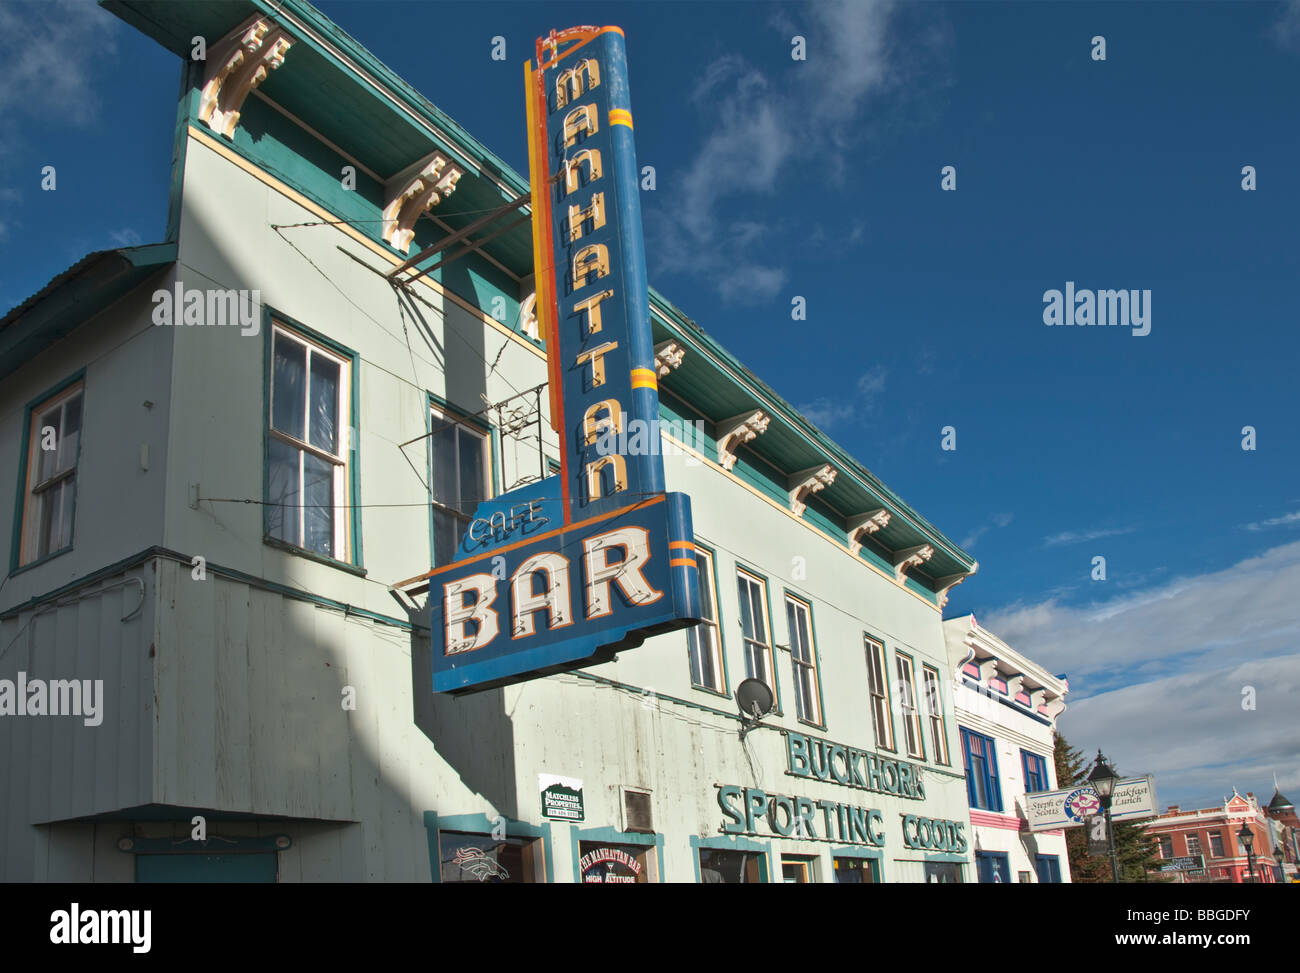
(993, 866)
(705, 639)
(1049, 868)
(1166, 846)
(943, 873)
(1035, 768)
(730, 867)
(460, 481)
(469, 857)
(882, 717)
(856, 871)
(51, 490)
(982, 788)
(1216, 844)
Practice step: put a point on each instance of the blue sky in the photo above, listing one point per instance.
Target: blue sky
(820, 178)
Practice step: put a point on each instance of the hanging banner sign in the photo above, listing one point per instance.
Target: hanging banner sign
(562, 574)
(1132, 798)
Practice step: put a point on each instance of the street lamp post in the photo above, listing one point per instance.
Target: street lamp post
(1103, 780)
(1280, 858)
(1247, 839)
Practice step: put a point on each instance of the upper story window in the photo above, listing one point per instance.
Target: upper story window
(983, 789)
(934, 713)
(1166, 846)
(907, 703)
(1035, 768)
(308, 448)
(1216, 844)
(705, 639)
(50, 488)
(752, 592)
(803, 657)
(460, 480)
(1194, 844)
(882, 718)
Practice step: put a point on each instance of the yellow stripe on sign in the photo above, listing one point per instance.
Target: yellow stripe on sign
(620, 116)
(645, 378)
(686, 544)
(682, 562)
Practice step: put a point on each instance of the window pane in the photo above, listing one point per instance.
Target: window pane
(757, 614)
(445, 464)
(285, 494)
(318, 510)
(71, 434)
(288, 376)
(48, 459)
(324, 392)
(706, 585)
(473, 486)
(746, 612)
(446, 537)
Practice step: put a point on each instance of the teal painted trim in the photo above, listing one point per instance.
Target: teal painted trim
(817, 659)
(889, 696)
(187, 105)
(307, 555)
(857, 851)
(614, 837)
(640, 691)
(920, 724)
(271, 317)
(722, 639)
(435, 824)
(465, 415)
(946, 857)
(771, 634)
(734, 843)
(20, 500)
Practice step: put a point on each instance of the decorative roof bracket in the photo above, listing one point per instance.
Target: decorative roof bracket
(860, 525)
(413, 191)
(735, 432)
(668, 355)
(237, 64)
(946, 584)
(910, 557)
(805, 483)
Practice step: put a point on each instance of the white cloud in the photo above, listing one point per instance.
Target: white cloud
(125, 237)
(1286, 29)
(765, 135)
(996, 521)
(861, 401)
(49, 50)
(1285, 519)
(1156, 676)
(1078, 536)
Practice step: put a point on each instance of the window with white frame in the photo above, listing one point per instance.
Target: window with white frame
(882, 719)
(50, 491)
(308, 448)
(1193, 844)
(907, 705)
(705, 638)
(803, 658)
(752, 592)
(934, 713)
(460, 480)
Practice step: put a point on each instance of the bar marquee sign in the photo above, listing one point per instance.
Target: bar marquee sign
(602, 556)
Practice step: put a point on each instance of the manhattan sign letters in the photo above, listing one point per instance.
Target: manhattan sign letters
(563, 573)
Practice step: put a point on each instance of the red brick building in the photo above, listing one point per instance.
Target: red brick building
(1286, 828)
(1212, 834)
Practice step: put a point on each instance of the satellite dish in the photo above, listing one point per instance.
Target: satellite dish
(755, 699)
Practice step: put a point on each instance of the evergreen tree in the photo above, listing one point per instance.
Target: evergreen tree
(1135, 851)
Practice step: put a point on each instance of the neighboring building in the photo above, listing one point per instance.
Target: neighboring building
(210, 520)
(1211, 833)
(1006, 707)
(1286, 834)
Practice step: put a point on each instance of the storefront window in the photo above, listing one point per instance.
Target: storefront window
(944, 873)
(799, 871)
(856, 871)
(604, 863)
(730, 867)
(468, 857)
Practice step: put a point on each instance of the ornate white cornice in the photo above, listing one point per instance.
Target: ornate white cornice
(805, 483)
(910, 557)
(860, 525)
(668, 355)
(237, 64)
(735, 432)
(413, 191)
(528, 316)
